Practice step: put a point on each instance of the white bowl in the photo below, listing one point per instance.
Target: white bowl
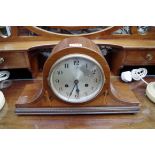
(2, 100)
(150, 91)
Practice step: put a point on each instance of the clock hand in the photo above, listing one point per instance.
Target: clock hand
(75, 83)
(77, 89)
(71, 91)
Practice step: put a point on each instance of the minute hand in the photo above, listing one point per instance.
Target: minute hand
(72, 90)
(75, 83)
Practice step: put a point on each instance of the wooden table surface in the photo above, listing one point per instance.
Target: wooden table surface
(144, 119)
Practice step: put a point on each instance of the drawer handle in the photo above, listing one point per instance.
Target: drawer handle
(1, 60)
(149, 57)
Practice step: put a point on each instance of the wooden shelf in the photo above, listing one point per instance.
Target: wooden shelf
(126, 43)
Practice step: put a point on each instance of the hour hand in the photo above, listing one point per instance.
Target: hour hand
(77, 89)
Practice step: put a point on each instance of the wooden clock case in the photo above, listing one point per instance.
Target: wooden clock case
(64, 49)
(115, 97)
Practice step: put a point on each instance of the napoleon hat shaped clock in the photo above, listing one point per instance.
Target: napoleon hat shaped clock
(76, 80)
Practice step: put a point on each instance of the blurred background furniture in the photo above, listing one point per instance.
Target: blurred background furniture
(27, 47)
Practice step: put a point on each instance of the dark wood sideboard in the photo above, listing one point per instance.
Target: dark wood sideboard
(20, 49)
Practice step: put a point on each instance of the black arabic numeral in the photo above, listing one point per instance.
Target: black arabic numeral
(76, 62)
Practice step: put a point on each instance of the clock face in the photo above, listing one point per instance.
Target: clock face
(76, 78)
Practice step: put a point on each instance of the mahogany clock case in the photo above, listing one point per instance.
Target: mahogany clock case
(63, 49)
(112, 98)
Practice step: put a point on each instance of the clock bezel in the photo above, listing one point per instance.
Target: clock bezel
(86, 99)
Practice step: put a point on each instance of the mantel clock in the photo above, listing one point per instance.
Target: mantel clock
(76, 80)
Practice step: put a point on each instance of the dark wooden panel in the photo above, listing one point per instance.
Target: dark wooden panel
(140, 57)
(12, 60)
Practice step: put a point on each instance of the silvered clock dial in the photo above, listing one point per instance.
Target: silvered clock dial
(76, 78)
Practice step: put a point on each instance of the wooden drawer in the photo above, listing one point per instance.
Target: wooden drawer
(139, 57)
(13, 60)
